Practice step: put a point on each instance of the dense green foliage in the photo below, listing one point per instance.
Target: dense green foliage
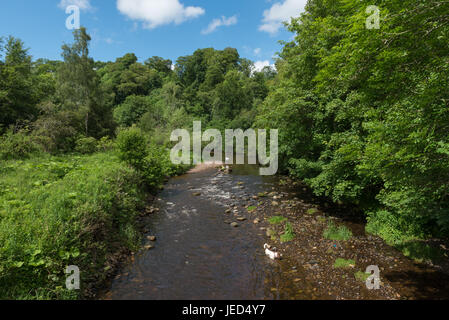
(363, 119)
(152, 163)
(363, 113)
(61, 205)
(17, 146)
(63, 211)
(21, 89)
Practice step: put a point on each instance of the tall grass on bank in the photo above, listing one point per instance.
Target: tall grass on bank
(60, 211)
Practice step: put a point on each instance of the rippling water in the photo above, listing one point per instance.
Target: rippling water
(198, 255)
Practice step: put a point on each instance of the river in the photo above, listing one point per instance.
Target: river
(199, 255)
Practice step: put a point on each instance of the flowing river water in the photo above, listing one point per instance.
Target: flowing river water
(199, 255)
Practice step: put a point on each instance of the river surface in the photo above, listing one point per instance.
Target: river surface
(198, 254)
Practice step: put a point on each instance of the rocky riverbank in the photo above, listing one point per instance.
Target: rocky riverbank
(310, 256)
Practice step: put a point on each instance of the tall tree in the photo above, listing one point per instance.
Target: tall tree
(78, 87)
(18, 96)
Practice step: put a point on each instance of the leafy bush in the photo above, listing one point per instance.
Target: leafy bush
(56, 131)
(153, 163)
(64, 211)
(86, 145)
(17, 146)
(132, 146)
(153, 172)
(105, 144)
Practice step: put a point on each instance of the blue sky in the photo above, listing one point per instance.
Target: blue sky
(166, 28)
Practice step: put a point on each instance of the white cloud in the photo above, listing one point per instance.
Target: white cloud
(82, 4)
(257, 51)
(259, 65)
(279, 13)
(155, 13)
(216, 23)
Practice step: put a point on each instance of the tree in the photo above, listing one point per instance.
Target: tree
(18, 97)
(363, 114)
(232, 96)
(131, 110)
(126, 77)
(159, 64)
(78, 87)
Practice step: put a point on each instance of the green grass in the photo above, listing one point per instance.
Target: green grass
(361, 276)
(411, 246)
(342, 263)
(251, 208)
(277, 220)
(312, 211)
(321, 219)
(288, 234)
(420, 251)
(59, 211)
(337, 233)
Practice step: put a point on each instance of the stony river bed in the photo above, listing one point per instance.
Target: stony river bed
(204, 237)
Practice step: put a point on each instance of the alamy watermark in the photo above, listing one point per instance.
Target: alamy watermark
(73, 21)
(213, 152)
(373, 281)
(73, 279)
(373, 21)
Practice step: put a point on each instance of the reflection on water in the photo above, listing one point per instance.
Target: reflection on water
(198, 255)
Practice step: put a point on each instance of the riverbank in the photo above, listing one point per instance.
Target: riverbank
(337, 267)
(210, 228)
(57, 211)
(60, 211)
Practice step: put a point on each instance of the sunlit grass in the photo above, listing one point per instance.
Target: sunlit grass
(343, 263)
(337, 233)
(59, 211)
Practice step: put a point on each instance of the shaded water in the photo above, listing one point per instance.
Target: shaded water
(198, 254)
